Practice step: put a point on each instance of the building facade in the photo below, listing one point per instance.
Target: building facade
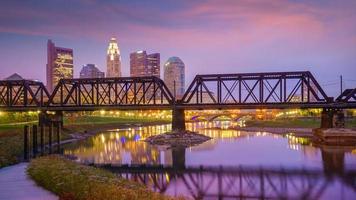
(143, 64)
(174, 76)
(154, 64)
(59, 64)
(91, 71)
(113, 59)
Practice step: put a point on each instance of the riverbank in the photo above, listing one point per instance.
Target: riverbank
(11, 136)
(299, 127)
(295, 123)
(70, 180)
(300, 132)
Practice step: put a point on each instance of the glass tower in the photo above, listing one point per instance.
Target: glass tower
(174, 76)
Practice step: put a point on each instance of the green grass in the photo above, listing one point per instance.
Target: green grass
(70, 180)
(11, 148)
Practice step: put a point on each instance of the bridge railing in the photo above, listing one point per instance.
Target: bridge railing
(22, 94)
(110, 92)
(255, 88)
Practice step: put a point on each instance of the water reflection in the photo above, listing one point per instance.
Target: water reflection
(229, 149)
(241, 182)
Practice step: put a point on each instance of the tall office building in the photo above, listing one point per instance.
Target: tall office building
(142, 64)
(174, 76)
(113, 59)
(91, 71)
(59, 64)
(154, 64)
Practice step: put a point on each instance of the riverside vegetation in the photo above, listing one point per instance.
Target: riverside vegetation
(70, 180)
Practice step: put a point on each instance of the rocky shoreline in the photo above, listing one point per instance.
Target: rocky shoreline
(335, 136)
(177, 139)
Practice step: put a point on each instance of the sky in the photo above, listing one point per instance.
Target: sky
(210, 36)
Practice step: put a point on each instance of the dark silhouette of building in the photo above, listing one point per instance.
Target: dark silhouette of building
(91, 71)
(14, 77)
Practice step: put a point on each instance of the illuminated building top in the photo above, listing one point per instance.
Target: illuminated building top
(113, 59)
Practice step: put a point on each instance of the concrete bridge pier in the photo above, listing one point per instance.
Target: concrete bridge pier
(46, 118)
(332, 118)
(178, 119)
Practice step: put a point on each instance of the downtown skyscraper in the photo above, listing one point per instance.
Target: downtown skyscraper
(174, 76)
(113, 59)
(59, 64)
(143, 64)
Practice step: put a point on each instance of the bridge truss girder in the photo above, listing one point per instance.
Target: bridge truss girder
(256, 88)
(23, 94)
(277, 90)
(110, 92)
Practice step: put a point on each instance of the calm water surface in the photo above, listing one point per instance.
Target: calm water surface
(233, 165)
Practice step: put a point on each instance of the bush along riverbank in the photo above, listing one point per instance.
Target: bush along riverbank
(70, 180)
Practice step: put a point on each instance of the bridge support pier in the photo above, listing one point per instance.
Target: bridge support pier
(178, 156)
(178, 119)
(46, 119)
(332, 118)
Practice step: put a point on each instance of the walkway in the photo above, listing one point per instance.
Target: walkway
(16, 185)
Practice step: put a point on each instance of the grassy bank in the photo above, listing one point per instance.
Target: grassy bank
(294, 123)
(70, 180)
(11, 135)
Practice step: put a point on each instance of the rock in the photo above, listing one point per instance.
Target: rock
(335, 136)
(185, 139)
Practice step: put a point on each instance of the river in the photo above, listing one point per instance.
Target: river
(234, 164)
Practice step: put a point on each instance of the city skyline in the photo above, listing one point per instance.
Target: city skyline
(211, 37)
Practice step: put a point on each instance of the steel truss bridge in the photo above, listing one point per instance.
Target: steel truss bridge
(214, 91)
(239, 182)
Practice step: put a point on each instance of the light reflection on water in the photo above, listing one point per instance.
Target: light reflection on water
(228, 147)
